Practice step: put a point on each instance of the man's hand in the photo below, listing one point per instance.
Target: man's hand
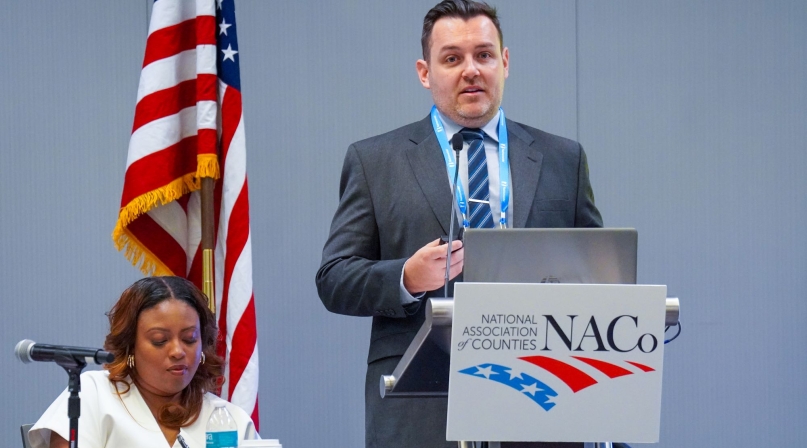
(426, 269)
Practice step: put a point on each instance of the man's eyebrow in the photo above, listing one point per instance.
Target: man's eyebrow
(449, 48)
(457, 47)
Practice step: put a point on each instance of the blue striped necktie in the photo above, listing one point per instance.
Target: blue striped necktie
(478, 187)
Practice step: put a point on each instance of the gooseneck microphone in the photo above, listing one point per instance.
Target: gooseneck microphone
(456, 144)
(28, 350)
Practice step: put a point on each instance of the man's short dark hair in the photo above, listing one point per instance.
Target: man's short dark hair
(463, 9)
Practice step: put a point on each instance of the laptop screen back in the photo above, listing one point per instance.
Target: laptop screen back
(567, 255)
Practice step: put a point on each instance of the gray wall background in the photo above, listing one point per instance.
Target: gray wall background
(693, 115)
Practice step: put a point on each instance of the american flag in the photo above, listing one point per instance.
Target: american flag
(189, 99)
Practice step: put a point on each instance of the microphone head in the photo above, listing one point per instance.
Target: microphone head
(456, 142)
(23, 350)
(104, 357)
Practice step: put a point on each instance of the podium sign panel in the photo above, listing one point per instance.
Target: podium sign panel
(556, 362)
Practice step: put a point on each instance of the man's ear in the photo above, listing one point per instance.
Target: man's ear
(422, 68)
(506, 61)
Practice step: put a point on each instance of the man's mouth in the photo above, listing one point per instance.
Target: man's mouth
(472, 90)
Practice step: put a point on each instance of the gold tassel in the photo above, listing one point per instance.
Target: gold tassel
(207, 165)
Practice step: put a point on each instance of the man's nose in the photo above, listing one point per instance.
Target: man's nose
(469, 69)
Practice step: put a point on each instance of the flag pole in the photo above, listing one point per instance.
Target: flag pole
(208, 238)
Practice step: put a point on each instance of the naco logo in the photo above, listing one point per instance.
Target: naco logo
(560, 362)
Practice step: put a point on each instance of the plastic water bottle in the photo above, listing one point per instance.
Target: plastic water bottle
(222, 432)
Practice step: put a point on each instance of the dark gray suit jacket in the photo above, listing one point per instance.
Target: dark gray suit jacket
(395, 197)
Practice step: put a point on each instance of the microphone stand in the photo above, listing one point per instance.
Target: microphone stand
(456, 144)
(457, 149)
(73, 366)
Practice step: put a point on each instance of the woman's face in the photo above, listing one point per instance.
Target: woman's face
(167, 347)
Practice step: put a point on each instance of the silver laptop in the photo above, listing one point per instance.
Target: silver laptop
(576, 255)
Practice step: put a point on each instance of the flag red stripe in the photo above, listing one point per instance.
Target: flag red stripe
(207, 141)
(244, 339)
(611, 370)
(575, 378)
(230, 117)
(222, 313)
(195, 272)
(170, 101)
(206, 29)
(160, 243)
(158, 169)
(237, 235)
(641, 366)
(207, 87)
(221, 348)
(163, 103)
(183, 202)
(237, 232)
(174, 39)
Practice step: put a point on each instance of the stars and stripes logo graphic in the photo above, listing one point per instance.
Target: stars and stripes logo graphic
(188, 125)
(531, 387)
(570, 375)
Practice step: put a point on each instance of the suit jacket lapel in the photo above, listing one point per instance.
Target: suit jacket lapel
(426, 160)
(428, 165)
(525, 168)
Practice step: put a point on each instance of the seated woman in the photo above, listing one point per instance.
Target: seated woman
(163, 337)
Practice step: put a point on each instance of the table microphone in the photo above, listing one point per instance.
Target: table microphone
(28, 350)
(456, 144)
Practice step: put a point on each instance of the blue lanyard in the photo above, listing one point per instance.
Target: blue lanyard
(451, 166)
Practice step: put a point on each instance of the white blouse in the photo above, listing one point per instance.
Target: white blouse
(110, 420)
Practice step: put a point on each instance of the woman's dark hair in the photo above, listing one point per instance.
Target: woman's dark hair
(463, 9)
(142, 295)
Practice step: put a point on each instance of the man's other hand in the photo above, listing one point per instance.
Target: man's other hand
(426, 269)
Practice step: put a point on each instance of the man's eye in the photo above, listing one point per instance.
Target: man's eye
(485, 55)
(451, 59)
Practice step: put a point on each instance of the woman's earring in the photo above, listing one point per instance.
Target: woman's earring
(202, 360)
(130, 361)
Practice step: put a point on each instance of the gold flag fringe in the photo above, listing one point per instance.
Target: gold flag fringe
(207, 165)
(137, 253)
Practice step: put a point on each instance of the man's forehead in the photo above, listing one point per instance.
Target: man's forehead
(456, 32)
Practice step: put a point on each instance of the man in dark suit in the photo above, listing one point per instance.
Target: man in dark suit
(383, 257)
